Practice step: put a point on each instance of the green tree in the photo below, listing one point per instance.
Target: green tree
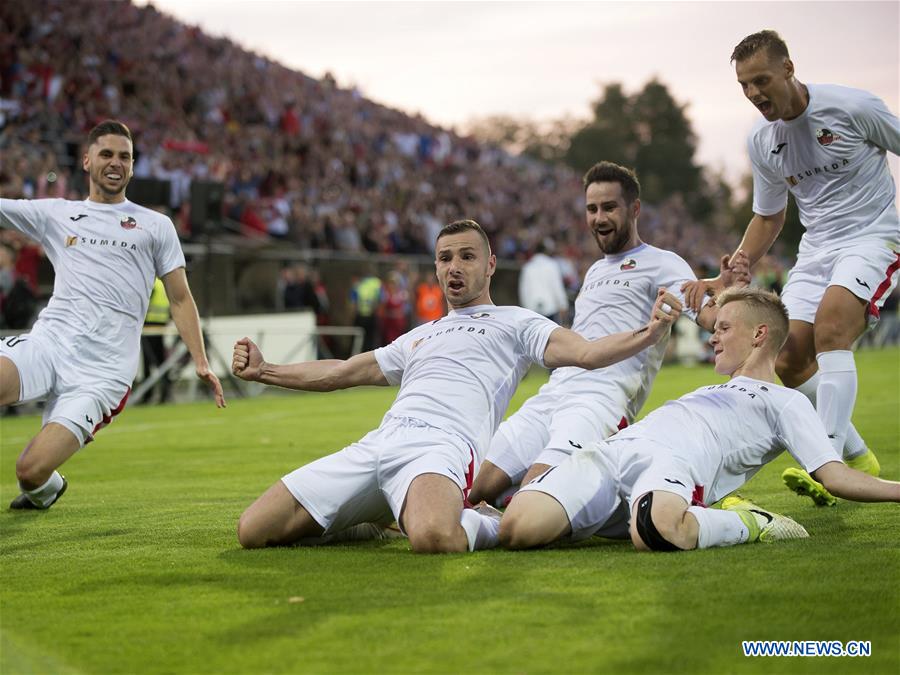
(651, 132)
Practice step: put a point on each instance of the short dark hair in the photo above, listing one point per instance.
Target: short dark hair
(458, 226)
(107, 127)
(764, 39)
(610, 172)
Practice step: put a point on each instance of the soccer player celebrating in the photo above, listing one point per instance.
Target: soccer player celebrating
(82, 353)
(827, 145)
(698, 448)
(456, 376)
(579, 406)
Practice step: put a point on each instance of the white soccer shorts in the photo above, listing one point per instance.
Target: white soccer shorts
(76, 397)
(597, 486)
(868, 270)
(368, 480)
(547, 429)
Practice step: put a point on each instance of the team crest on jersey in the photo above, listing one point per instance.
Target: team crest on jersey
(629, 264)
(71, 241)
(826, 137)
(128, 223)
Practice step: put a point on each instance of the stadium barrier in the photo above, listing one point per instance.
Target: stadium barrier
(283, 338)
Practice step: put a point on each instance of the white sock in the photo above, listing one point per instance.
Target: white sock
(719, 528)
(836, 394)
(481, 531)
(854, 445)
(45, 495)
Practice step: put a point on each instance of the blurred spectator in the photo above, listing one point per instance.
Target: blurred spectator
(541, 287)
(430, 304)
(364, 297)
(153, 347)
(298, 291)
(393, 308)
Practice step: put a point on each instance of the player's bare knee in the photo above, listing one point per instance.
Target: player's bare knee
(248, 533)
(32, 470)
(832, 335)
(516, 532)
(436, 539)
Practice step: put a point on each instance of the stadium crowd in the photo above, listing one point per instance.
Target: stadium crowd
(303, 160)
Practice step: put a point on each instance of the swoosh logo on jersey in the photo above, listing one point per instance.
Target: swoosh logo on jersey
(75, 219)
(778, 149)
(863, 283)
(675, 482)
(574, 445)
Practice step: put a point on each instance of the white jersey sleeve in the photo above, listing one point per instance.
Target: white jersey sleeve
(877, 124)
(168, 255)
(27, 216)
(770, 190)
(800, 429)
(392, 359)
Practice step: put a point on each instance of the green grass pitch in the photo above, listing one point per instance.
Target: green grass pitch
(138, 570)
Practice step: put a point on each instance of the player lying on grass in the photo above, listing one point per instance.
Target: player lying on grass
(702, 446)
(456, 376)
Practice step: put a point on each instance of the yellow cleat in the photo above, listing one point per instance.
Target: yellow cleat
(765, 526)
(806, 486)
(866, 462)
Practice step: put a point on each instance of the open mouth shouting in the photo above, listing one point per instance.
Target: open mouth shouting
(455, 285)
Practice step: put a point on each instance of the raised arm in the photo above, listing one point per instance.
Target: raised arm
(846, 483)
(326, 375)
(568, 348)
(187, 321)
(761, 233)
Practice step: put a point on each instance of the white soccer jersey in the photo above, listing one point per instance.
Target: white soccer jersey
(617, 295)
(459, 373)
(832, 158)
(726, 432)
(105, 258)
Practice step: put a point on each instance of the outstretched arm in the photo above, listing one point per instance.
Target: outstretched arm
(842, 481)
(187, 321)
(761, 233)
(326, 375)
(568, 348)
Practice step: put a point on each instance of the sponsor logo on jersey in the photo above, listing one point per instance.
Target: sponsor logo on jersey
(128, 223)
(450, 329)
(629, 264)
(96, 241)
(808, 173)
(737, 387)
(75, 219)
(605, 282)
(826, 137)
(777, 150)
